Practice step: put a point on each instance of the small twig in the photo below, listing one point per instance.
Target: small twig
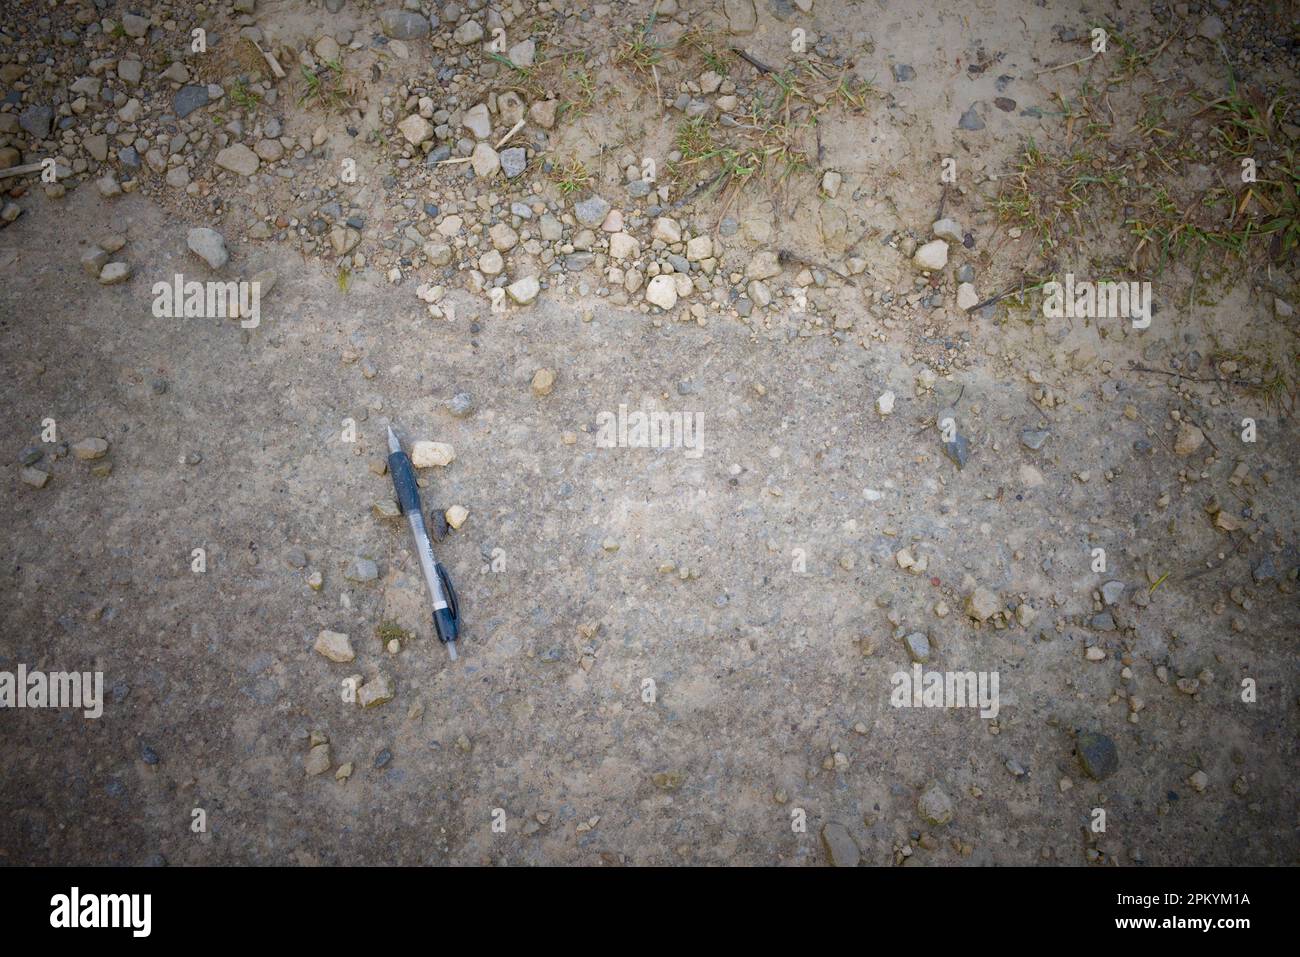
(943, 198)
(513, 130)
(1204, 431)
(756, 64)
(708, 185)
(1053, 69)
(20, 170)
(271, 61)
(1190, 378)
(1240, 540)
(786, 256)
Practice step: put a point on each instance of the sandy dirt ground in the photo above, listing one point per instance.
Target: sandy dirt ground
(676, 655)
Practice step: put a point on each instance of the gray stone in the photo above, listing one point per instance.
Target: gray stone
(970, 120)
(841, 849)
(918, 647)
(208, 245)
(1112, 592)
(514, 161)
(903, 73)
(335, 646)
(525, 290)
(130, 71)
(958, 450)
(461, 405)
(591, 211)
(468, 32)
(403, 25)
(135, 26)
(1264, 571)
(741, 16)
(238, 159)
(36, 120)
(1097, 755)
(1034, 438)
(93, 260)
(188, 99)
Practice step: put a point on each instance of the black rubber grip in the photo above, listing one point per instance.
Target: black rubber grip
(447, 620)
(408, 493)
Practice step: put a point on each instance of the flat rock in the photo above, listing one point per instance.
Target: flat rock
(416, 129)
(841, 849)
(932, 256)
(524, 291)
(238, 158)
(209, 245)
(378, 690)
(335, 646)
(114, 272)
(188, 99)
(88, 449)
(318, 760)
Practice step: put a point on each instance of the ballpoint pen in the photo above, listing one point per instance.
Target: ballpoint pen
(446, 614)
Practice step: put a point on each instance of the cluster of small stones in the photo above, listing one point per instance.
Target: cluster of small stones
(36, 460)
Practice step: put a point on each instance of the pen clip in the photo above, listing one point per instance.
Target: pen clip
(452, 605)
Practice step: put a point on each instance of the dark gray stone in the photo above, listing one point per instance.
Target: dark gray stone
(958, 450)
(1264, 571)
(1097, 755)
(188, 99)
(970, 120)
(36, 121)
